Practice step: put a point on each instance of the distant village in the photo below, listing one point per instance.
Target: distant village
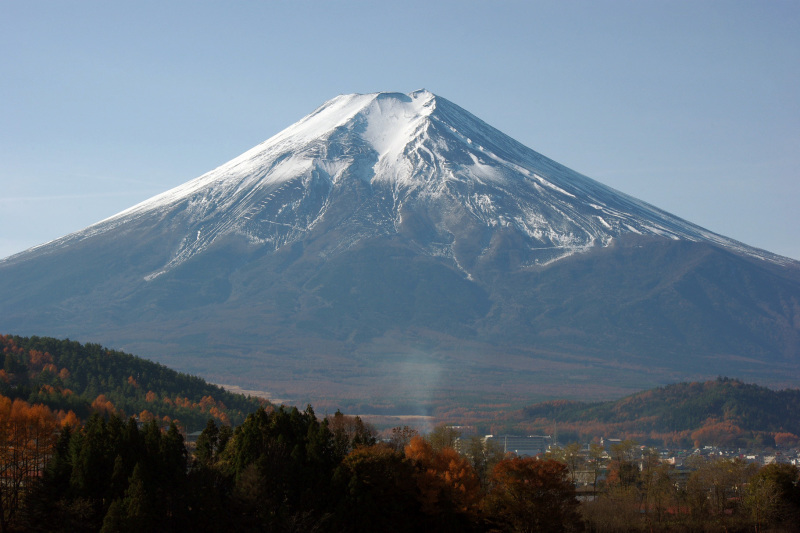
(589, 463)
(533, 445)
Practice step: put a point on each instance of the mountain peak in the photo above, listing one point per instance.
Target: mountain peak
(393, 120)
(401, 164)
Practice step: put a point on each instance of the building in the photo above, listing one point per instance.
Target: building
(522, 446)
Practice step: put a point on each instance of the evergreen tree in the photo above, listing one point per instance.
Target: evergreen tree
(207, 443)
(137, 508)
(116, 518)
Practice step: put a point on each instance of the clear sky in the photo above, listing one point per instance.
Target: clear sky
(692, 106)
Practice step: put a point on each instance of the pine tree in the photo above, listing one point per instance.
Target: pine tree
(138, 505)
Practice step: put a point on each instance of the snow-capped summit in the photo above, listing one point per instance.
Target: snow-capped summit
(384, 157)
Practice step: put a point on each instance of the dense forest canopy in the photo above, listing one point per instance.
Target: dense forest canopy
(287, 470)
(722, 411)
(84, 378)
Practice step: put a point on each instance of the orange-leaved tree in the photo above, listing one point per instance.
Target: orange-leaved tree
(27, 437)
(529, 494)
(446, 480)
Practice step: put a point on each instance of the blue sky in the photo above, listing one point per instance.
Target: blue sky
(691, 106)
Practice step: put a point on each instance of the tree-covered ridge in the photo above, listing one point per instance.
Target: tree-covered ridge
(85, 378)
(722, 411)
(286, 470)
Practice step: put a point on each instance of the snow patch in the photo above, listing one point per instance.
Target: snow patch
(393, 121)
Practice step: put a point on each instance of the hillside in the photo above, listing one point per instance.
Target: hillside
(722, 412)
(70, 376)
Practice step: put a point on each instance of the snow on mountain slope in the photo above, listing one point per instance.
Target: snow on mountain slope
(381, 158)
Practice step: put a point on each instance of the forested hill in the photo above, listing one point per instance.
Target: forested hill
(69, 376)
(724, 411)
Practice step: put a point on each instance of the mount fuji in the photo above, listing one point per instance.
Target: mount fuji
(397, 248)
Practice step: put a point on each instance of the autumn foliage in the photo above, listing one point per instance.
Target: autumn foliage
(27, 436)
(446, 480)
(287, 470)
(88, 379)
(84, 446)
(103, 405)
(530, 495)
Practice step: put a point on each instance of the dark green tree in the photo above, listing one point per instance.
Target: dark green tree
(379, 492)
(207, 442)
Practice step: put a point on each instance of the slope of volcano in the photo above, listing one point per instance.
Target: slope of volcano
(395, 248)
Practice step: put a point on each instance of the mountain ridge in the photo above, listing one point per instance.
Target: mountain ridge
(84, 378)
(723, 411)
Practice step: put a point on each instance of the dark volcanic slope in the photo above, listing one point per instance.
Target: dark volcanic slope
(395, 246)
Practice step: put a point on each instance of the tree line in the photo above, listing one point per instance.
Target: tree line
(288, 470)
(284, 470)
